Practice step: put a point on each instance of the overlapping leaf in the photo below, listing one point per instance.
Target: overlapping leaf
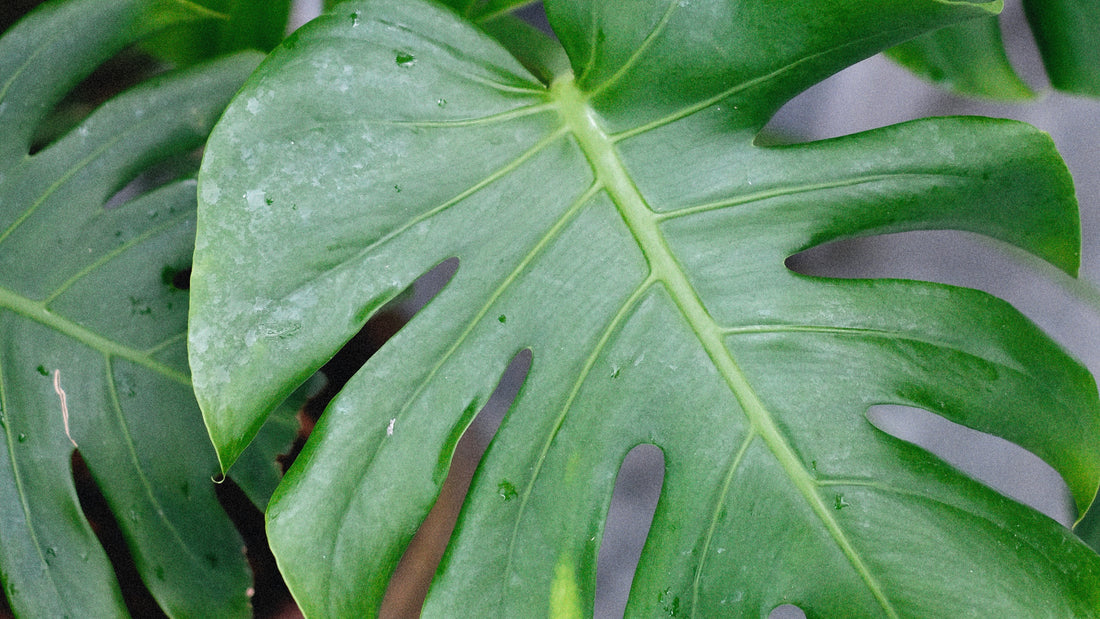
(621, 224)
(92, 319)
(970, 58)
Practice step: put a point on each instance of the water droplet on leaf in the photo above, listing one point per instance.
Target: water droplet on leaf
(506, 490)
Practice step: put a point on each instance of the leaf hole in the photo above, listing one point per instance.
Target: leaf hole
(125, 70)
(633, 504)
(413, 576)
(991, 460)
(382, 324)
(787, 611)
(152, 175)
(270, 598)
(1058, 304)
(97, 511)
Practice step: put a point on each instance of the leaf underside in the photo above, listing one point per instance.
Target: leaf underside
(92, 324)
(621, 224)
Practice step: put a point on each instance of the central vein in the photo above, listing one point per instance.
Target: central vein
(600, 150)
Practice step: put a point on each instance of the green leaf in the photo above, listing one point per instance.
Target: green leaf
(258, 470)
(1068, 35)
(970, 58)
(92, 348)
(622, 225)
(477, 10)
(242, 24)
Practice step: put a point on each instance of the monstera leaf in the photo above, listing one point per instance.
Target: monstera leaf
(92, 323)
(970, 58)
(611, 214)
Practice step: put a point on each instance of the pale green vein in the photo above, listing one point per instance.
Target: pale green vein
(116, 252)
(739, 87)
(38, 312)
(594, 30)
(139, 473)
(504, 10)
(637, 54)
(503, 171)
(721, 500)
(1006, 362)
(480, 121)
(153, 350)
(53, 187)
(643, 224)
(605, 337)
(525, 262)
(24, 501)
(779, 192)
(462, 59)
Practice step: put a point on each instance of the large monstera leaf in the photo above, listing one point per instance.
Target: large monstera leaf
(970, 58)
(612, 214)
(92, 346)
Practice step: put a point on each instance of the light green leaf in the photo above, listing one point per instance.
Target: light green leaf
(622, 225)
(92, 348)
(970, 58)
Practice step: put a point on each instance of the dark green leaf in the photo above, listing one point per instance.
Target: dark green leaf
(622, 225)
(242, 24)
(970, 58)
(1068, 34)
(258, 471)
(92, 352)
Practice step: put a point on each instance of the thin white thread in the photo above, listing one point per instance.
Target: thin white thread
(64, 404)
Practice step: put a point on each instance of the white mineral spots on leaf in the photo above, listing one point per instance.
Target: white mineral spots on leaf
(256, 199)
(211, 192)
(389, 428)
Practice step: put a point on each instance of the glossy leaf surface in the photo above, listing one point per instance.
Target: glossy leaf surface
(621, 224)
(970, 58)
(92, 323)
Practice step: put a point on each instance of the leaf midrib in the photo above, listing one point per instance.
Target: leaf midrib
(642, 222)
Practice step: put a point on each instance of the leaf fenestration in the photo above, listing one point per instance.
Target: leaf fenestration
(92, 347)
(634, 235)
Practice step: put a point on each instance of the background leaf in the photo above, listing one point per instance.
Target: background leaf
(92, 316)
(623, 226)
(242, 24)
(970, 58)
